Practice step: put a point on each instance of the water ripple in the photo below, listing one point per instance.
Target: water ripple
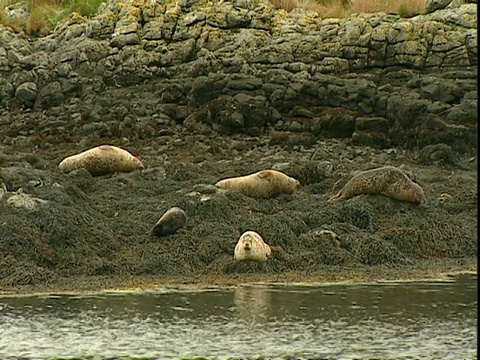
(380, 322)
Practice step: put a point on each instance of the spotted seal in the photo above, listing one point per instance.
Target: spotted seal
(387, 180)
(102, 160)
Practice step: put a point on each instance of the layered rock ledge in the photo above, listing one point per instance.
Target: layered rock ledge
(243, 66)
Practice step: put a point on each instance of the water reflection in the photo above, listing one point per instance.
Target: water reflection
(395, 321)
(252, 302)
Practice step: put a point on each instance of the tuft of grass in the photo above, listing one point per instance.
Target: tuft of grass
(405, 11)
(405, 7)
(343, 8)
(45, 15)
(87, 8)
(287, 5)
(328, 8)
(43, 18)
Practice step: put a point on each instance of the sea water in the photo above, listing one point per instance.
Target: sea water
(416, 320)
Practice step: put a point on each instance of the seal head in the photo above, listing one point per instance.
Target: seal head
(250, 246)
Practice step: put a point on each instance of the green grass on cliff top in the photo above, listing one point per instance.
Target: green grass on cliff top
(40, 17)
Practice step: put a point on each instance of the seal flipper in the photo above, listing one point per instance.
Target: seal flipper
(337, 197)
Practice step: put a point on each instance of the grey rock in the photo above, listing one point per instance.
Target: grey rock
(125, 39)
(373, 138)
(465, 112)
(17, 177)
(433, 5)
(205, 188)
(242, 68)
(379, 124)
(336, 123)
(50, 95)
(440, 154)
(25, 201)
(27, 93)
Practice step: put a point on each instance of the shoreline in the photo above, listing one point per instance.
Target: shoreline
(431, 270)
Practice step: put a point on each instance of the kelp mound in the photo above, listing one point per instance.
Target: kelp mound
(100, 226)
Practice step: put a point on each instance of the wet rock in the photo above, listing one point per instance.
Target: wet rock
(228, 115)
(375, 139)
(49, 96)
(328, 246)
(379, 124)
(371, 131)
(357, 214)
(16, 177)
(335, 122)
(440, 154)
(434, 130)
(446, 91)
(205, 188)
(465, 112)
(376, 251)
(27, 93)
(24, 201)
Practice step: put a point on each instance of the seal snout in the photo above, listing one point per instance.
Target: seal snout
(247, 246)
(296, 185)
(140, 164)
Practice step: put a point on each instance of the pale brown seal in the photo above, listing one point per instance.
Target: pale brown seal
(250, 246)
(388, 180)
(263, 184)
(101, 160)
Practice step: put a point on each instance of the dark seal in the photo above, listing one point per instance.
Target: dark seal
(172, 220)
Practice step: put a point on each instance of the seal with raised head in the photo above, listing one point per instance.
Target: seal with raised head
(262, 184)
(388, 180)
(250, 246)
(102, 160)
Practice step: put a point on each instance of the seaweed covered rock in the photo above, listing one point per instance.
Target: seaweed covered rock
(99, 226)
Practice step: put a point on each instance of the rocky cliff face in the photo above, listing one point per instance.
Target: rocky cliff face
(243, 66)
